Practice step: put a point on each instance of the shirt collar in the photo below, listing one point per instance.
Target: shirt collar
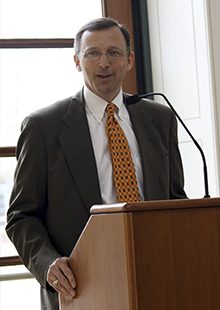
(97, 105)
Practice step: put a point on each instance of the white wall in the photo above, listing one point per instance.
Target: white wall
(213, 26)
(181, 65)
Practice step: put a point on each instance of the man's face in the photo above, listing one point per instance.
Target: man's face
(104, 76)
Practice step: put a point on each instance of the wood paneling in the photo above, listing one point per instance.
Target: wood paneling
(149, 258)
(106, 254)
(121, 11)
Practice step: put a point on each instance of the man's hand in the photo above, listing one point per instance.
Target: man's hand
(61, 277)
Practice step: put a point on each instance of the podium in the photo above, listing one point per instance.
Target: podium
(162, 255)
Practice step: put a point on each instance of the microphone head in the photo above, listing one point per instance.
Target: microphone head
(132, 99)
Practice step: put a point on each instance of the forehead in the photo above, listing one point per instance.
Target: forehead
(110, 37)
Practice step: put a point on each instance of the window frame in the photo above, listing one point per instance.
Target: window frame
(119, 10)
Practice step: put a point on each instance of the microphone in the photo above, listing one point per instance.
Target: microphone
(135, 98)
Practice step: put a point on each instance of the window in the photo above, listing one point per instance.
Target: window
(32, 75)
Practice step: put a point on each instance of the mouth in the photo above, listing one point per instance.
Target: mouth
(104, 76)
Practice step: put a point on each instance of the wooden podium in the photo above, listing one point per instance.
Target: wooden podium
(162, 255)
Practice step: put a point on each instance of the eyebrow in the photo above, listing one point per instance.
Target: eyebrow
(109, 47)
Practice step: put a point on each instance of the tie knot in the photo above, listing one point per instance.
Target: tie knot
(110, 109)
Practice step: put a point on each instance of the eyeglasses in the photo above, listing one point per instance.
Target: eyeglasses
(95, 54)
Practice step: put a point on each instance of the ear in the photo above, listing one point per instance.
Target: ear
(130, 61)
(77, 62)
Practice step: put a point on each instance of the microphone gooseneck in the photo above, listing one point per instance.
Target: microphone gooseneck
(135, 98)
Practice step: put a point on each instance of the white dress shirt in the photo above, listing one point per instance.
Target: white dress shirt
(96, 115)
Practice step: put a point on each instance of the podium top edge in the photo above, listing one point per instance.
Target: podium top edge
(155, 205)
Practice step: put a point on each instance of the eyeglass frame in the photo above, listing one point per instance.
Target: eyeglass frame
(100, 54)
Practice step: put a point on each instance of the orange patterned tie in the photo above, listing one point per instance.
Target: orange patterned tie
(123, 166)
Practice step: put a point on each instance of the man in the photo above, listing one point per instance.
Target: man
(64, 163)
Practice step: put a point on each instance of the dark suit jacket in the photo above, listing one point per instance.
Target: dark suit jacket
(56, 179)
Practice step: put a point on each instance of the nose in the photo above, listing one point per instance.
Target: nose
(104, 61)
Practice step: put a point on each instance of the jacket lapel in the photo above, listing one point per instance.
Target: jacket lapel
(150, 148)
(78, 149)
(77, 146)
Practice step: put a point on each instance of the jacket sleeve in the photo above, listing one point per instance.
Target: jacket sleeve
(176, 168)
(28, 204)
